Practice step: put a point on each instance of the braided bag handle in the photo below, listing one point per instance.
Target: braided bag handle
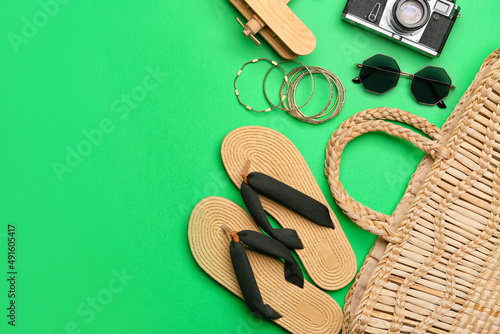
(369, 121)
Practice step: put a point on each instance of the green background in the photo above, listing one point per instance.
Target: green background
(101, 245)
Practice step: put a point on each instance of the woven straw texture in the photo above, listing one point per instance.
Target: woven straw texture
(327, 255)
(307, 310)
(436, 266)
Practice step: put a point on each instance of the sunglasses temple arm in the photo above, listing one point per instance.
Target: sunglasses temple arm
(357, 80)
(440, 104)
(361, 77)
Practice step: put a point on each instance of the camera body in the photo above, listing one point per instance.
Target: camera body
(423, 25)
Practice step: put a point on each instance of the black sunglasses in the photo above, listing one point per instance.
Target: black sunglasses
(381, 73)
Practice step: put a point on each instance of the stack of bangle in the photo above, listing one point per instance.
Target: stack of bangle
(287, 95)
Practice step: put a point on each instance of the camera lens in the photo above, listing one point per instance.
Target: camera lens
(410, 15)
(411, 12)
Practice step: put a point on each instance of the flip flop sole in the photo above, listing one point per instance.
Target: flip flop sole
(327, 255)
(307, 310)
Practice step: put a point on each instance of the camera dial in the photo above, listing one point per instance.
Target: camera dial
(410, 15)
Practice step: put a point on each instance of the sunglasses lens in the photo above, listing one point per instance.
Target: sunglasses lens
(430, 85)
(379, 74)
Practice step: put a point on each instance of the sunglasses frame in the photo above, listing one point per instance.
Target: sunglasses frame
(439, 103)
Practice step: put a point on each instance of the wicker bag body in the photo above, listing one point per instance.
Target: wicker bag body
(436, 266)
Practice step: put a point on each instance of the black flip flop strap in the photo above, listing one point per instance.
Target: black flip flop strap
(244, 273)
(293, 199)
(286, 236)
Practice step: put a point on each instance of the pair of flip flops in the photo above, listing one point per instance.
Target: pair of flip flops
(274, 178)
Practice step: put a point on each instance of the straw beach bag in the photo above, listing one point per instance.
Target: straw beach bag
(436, 266)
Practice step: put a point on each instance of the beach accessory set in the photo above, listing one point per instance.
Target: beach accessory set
(435, 267)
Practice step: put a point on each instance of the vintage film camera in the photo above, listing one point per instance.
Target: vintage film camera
(423, 25)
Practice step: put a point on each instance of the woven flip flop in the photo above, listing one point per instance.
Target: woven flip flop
(326, 255)
(302, 310)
